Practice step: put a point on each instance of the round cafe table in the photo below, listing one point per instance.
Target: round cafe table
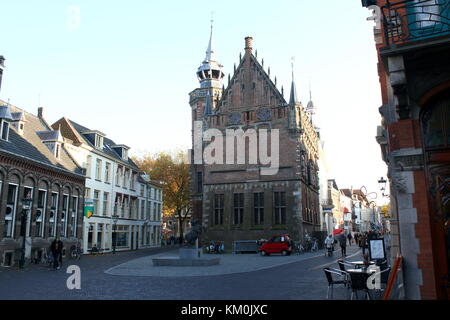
(359, 264)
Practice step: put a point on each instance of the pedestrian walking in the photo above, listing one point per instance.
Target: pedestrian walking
(362, 243)
(56, 249)
(329, 244)
(343, 244)
(349, 238)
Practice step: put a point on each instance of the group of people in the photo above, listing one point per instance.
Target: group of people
(361, 239)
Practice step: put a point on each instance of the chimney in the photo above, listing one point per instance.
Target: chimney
(40, 113)
(248, 44)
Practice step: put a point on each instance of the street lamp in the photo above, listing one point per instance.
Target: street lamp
(382, 184)
(115, 218)
(26, 205)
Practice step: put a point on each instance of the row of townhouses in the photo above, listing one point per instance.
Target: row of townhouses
(61, 169)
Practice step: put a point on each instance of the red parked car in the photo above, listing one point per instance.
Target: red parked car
(277, 244)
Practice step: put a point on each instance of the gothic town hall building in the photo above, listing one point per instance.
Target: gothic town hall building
(238, 201)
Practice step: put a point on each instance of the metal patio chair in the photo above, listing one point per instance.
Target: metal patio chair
(343, 279)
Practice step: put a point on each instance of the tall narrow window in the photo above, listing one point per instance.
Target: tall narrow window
(11, 204)
(40, 213)
(107, 172)
(258, 208)
(218, 209)
(238, 200)
(280, 207)
(98, 170)
(53, 218)
(105, 203)
(96, 202)
(74, 217)
(118, 175)
(5, 129)
(64, 215)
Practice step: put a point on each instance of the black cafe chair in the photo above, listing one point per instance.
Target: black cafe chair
(343, 265)
(358, 282)
(343, 279)
(384, 278)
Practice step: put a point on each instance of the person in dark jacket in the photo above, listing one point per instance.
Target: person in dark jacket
(349, 237)
(56, 249)
(343, 243)
(362, 243)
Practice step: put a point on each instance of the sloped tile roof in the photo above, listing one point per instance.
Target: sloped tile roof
(108, 145)
(30, 146)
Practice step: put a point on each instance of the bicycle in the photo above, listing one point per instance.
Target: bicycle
(47, 259)
(76, 252)
(299, 248)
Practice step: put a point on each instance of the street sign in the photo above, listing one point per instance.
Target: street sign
(88, 208)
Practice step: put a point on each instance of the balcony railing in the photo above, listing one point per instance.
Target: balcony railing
(413, 20)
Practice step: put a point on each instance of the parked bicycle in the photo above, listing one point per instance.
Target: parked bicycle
(299, 248)
(76, 252)
(315, 245)
(47, 259)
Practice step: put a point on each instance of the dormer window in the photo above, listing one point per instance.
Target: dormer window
(5, 117)
(4, 130)
(121, 150)
(95, 137)
(18, 121)
(53, 140)
(98, 141)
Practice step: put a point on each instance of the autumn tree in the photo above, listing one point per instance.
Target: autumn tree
(172, 170)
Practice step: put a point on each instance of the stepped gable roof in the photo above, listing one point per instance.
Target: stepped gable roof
(108, 144)
(30, 146)
(250, 67)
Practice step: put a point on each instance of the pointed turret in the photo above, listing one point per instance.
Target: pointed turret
(210, 72)
(293, 97)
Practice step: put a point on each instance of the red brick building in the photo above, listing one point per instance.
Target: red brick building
(239, 201)
(413, 45)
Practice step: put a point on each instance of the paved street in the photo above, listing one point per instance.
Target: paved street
(259, 278)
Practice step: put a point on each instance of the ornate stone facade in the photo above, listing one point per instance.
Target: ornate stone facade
(238, 201)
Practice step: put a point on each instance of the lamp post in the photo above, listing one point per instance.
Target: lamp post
(26, 205)
(382, 184)
(115, 218)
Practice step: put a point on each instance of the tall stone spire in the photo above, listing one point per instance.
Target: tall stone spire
(293, 97)
(210, 73)
(210, 54)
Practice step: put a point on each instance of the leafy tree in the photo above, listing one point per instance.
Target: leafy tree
(172, 170)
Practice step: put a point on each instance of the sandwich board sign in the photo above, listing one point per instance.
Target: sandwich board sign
(88, 208)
